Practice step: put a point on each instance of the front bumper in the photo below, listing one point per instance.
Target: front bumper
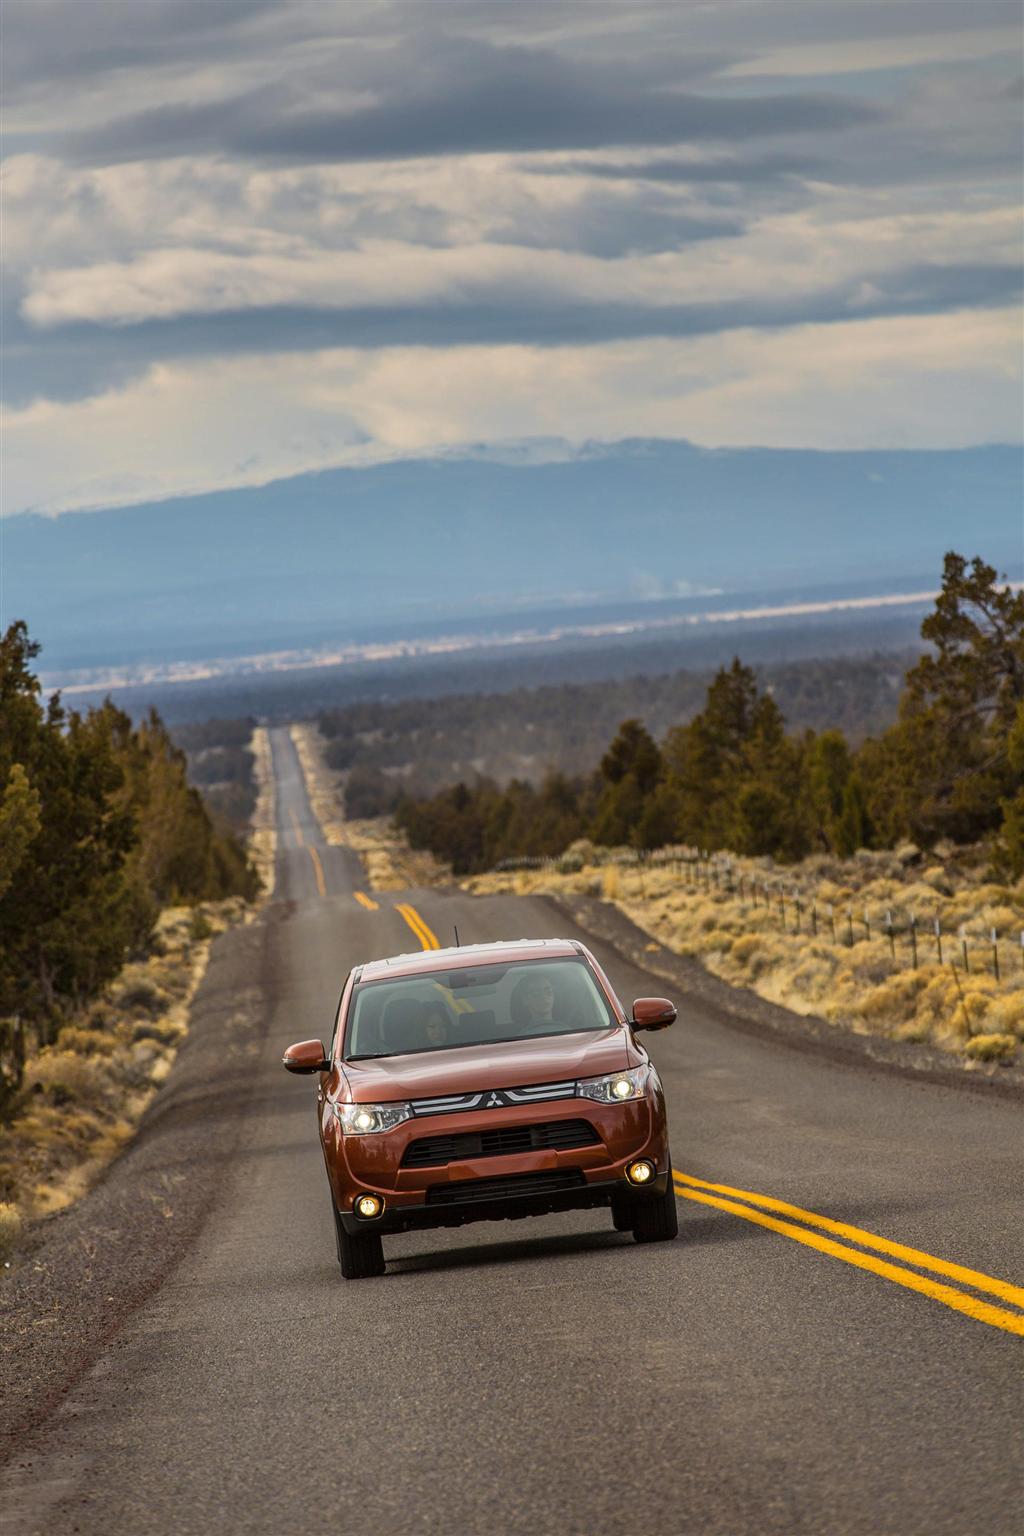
(496, 1188)
(503, 1207)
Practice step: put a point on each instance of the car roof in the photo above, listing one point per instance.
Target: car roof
(455, 958)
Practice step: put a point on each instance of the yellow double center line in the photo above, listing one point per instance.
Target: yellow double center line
(428, 939)
(318, 869)
(756, 1208)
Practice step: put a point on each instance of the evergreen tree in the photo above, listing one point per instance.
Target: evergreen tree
(99, 828)
(944, 769)
(630, 769)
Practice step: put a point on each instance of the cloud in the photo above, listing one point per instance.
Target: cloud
(788, 266)
(284, 179)
(896, 383)
(518, 106)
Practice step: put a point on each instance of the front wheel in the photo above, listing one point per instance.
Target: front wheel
(360, 1254)
(623, 1215)
(657, 1220)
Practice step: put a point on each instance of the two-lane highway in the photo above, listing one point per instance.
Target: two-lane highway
(834, 1344)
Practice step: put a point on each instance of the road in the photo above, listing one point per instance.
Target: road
(765, 1373)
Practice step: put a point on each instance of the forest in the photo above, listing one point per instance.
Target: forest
(99, 829)
(416, 747)
(949, 766)
(220, 763)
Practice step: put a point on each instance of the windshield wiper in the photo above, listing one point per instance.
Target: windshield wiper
(369, 1056)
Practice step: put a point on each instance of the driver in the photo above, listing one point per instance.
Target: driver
(533, 1004)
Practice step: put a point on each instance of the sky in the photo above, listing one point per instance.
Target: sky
(249, 239)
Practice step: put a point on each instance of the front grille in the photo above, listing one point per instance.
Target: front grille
(502, 1141)
(519, 1184)
(493, 1098)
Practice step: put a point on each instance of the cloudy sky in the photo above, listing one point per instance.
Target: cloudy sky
(250, 238)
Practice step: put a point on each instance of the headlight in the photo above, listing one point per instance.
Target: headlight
(367, 1119)
(617, 1087)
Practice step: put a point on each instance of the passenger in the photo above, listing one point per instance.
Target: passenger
(438, 1026)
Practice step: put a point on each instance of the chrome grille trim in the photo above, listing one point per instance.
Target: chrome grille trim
(493, 1098)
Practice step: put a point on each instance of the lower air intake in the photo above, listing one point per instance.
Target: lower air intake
(517, 1185)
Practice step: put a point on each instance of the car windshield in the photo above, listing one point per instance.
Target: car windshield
(474, 1005)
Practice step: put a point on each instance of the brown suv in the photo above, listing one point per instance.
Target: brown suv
(481, 1083)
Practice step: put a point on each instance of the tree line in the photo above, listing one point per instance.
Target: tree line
(950, 766)
(416, 747)
(99, 829)
(221, 764)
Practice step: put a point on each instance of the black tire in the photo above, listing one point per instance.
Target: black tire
(361, 1255)
(623, 1215)
(657, 1220)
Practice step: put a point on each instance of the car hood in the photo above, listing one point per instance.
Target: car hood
(511, 1064)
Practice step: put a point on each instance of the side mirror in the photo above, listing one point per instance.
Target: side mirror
(653, 1013)
(307, 1056)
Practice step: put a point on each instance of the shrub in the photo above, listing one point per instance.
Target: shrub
(10, 1229)
(991, 1047)
(142, 995)
(200, 927)
(1006, 1013)
(165, 1033)
(68, 1078)
(85, 1041)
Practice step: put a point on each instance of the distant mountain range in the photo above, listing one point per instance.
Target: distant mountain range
(353, 554)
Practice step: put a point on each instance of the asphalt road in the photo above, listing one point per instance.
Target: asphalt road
(552, 1376)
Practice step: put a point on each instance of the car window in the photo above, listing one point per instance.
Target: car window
(474, 1005)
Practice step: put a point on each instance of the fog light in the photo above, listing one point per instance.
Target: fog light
(640, 1173)
(369, 1206)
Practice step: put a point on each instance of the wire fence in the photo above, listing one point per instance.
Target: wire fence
(914, 938)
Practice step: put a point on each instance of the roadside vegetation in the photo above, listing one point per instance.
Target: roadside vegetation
(853, 941)
(220, 759)
(950, 767)
(114, 876)
(394, 749)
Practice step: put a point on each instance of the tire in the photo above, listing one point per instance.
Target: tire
(361, 1255)
(657, 1220)
(623, 1215)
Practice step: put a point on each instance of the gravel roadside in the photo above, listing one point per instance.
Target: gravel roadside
(81, 1274)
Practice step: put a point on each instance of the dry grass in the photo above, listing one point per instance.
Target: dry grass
(856, 986)
(10, 1228)
(263, 835)
(83, 1096)
(389, 862)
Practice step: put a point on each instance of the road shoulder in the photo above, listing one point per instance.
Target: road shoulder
(84, 1271)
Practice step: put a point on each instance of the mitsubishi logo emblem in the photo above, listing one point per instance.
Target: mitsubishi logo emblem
(494, 1102)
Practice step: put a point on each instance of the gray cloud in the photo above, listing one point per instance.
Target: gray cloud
(49, 41)
(454, 96)
(758, 169)
(74, 361)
